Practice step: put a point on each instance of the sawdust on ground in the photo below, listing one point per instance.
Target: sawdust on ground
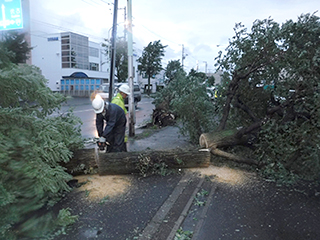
(100, 187)
(232, 177)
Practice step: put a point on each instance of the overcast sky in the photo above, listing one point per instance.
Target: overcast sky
(203, 26)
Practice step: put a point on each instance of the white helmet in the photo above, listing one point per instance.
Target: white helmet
(124, 88)
(98, 105)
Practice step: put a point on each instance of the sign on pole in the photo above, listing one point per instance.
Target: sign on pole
(10, 15)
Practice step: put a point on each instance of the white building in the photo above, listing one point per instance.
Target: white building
(71, 63)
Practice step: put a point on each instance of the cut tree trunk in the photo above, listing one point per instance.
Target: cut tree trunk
(82, 162)
(91, 160)
(225, 138)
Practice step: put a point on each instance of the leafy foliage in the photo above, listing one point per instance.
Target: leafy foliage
(150, 61)
(186, 97)
(121, 61)
(16, 44)
(172, 69)
(269, 91)
(272, 76)
(32, 144)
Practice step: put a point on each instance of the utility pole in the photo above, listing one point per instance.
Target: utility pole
(132, 116)
(125, 24)
(113, 49)
(183, 57)
(206, 66)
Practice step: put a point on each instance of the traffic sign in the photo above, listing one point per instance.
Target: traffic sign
(10, 15)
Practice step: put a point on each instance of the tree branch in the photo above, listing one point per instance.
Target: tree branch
(239, 104)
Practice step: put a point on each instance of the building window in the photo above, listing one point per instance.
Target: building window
(66, 65)
(74, 51)
(93, 52)
(94, 66)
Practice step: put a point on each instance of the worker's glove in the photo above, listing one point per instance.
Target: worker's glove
(102, 143)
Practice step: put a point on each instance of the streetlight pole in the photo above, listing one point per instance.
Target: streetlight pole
(113, 49)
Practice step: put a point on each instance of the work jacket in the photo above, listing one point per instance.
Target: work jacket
(118, 99)
(115, 119)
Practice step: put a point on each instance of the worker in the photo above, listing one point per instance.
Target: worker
(124, 92)
(113, 132)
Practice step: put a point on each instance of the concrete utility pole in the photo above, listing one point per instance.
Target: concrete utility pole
(132, 112)
(205, 67)
(125, 24)
(182, 57)
(113, 49)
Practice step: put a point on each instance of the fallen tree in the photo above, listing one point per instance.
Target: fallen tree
(269, 93)
(214, 141)
(92, 161)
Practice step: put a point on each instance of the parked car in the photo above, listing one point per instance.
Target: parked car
(104, 91)
(136, 94)
(212, 92)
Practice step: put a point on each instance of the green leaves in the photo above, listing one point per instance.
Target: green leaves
(187, 98)
(150, 61)
(32, 144)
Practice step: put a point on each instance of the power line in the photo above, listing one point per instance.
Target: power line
(88, 3)
(109, 3)
(67, 29)
(159, 35)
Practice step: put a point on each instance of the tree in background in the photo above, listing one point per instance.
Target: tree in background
(17, 47)
(32, 146)
(200, 76)
(211, 81)
(150, 61)
(172, 70)
(186, 97)
(121, 61)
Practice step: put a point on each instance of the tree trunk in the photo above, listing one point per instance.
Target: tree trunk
(91, 160)
(82, 162)
(226, 138)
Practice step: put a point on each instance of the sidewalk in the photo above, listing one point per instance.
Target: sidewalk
(213, 203)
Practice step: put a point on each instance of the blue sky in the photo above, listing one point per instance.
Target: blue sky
(203, 26)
